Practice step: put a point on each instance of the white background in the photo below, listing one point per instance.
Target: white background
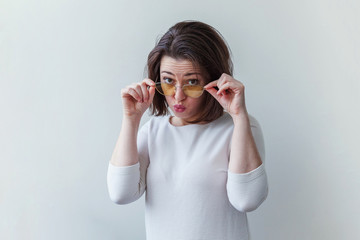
(63, 63)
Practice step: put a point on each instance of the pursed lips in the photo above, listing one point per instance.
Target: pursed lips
(179, 108)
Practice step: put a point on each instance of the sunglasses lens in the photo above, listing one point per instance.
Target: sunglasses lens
(165, 89)
(193, 91)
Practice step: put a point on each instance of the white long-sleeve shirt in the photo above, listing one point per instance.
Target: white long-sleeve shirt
(190, 193)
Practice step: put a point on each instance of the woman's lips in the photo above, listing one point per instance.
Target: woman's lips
(179, 108)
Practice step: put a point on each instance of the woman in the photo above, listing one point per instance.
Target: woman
(202, 167)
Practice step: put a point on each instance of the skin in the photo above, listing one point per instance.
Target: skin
(137, 97)
(181, 72)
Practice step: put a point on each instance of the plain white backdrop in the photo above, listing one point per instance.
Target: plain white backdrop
(64, 62)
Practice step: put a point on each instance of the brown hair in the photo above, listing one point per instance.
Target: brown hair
(204, 47)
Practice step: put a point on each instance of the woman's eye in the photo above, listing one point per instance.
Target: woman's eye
(168, 80)
(193, 82)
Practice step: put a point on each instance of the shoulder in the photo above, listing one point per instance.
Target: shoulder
(254, 123)
(223, 124)
(226, 122)
(227, 119)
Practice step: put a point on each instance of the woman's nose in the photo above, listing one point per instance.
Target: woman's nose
(179, 94)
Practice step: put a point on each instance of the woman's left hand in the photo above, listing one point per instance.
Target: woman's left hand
(231, 94)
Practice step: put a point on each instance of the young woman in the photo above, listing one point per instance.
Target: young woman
(201, 167)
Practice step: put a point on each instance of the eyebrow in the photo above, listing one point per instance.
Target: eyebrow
(187, 74)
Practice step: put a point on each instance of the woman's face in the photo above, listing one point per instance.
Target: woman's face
(179, 73)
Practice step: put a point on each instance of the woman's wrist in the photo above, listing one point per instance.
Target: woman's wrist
(131, 122)
(134, 118)
(240, 117)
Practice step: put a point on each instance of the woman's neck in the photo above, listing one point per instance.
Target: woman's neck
(176, 121)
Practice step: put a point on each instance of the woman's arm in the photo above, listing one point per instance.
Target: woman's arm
(247, 182)
(247, 185)
(136, 99)
(125, 152)
(244, 155)
(127, 183)
(127, 167)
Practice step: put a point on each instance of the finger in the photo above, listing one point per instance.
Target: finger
(151, 94)
(224, 88)
(132, 93)
(137, 88)
(223, 80)
(144, 91)
(225, 77)
(211, 84)
(149, 82)
(213, 92)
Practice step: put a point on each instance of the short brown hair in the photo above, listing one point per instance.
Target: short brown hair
(205, 47)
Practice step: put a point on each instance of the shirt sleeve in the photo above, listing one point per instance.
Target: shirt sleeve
(128, 183)
(246, 191)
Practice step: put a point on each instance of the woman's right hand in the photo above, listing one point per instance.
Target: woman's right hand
(137, 98)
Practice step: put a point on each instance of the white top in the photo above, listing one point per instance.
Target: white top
(190, 193)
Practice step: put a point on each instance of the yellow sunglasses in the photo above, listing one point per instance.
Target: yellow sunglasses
(167, 89)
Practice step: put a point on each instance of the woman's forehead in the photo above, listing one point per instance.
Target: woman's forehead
(169, 65)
